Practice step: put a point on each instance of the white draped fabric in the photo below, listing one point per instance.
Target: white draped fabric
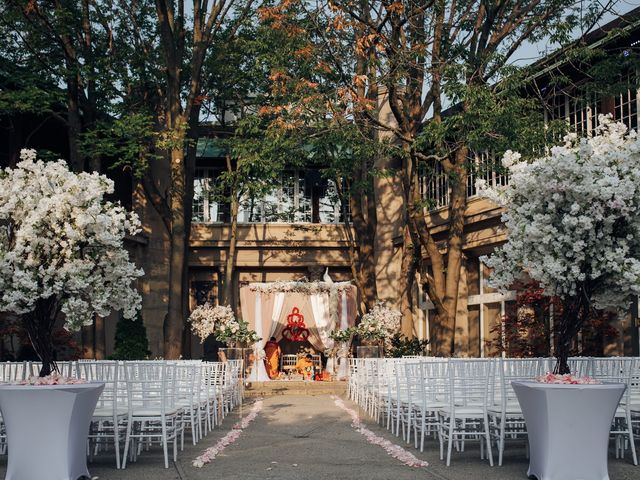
(259, 374)
(320, 308)
(277, 312)
(343, 361)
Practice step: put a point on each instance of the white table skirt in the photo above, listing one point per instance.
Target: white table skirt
(47, 428)
(568, 428)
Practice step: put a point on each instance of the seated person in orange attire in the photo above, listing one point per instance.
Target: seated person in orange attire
(272, 357)
(305, 366)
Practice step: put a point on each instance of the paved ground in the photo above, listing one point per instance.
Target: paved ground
(308, 437)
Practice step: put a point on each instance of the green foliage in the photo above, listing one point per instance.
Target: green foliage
(128, 140)
(401, 346)
(131, 340)
(242, 335)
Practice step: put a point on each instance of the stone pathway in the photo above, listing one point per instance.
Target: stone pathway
(308, 437)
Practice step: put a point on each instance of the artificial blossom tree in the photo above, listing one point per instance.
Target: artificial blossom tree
(62, 251)
(573, 220)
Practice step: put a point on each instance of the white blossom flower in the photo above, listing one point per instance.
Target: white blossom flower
(574, 217)
(60, 237)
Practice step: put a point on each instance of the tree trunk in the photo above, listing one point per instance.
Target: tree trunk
(174, 321)
(39, 325)
(407, 282)
(457, 206)
(230, 263)
(575, 311)
(73, 134)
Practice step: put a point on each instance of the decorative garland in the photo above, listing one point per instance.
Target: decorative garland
(212, 452)
(392, 449)
(299, 287)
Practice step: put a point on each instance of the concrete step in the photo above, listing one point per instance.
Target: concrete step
(291, 387)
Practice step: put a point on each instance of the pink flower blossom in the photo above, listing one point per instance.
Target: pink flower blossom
(53, 379)
(392, 449)
(566, 379)
(212, 452)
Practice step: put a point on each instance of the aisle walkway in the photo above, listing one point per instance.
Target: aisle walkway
(308, 437)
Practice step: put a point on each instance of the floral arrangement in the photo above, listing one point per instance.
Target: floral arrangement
(53, 379)
(299, 287)
(566, 379)
(237, 331)
(342, 335)
(381, 322)
(208, 320)
(62, 250)
(221, 322)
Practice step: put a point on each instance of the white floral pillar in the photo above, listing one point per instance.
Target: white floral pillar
(343, 352)
(258, 371)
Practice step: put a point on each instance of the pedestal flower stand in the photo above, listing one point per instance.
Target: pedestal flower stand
(568, 428)
(47, 428)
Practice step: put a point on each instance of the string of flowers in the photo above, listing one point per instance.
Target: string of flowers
(212, 452)
(566, 379)
(299, 287)
(392, 449)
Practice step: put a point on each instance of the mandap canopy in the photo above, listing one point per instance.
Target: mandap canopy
(322, 307)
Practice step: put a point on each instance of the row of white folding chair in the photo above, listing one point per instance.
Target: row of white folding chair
(503, 408)
(18, 371)
(443, 396)
(193, 387)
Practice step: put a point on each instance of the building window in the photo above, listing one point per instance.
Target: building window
(485, 166)
(434, 185)
(434, 181)
(288, 202)
(330, 207)
(583, 116)
(626, 104)
(299, 197)
(207, 206)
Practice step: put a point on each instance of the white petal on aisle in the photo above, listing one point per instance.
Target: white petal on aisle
(392, 449)
(212, 452)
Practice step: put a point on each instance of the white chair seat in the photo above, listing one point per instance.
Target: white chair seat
(153, 412)
(104, 412)
(463, 412)
(511, 410)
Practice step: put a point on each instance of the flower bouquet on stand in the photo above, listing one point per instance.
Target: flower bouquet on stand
(379, 325)
(340, 351)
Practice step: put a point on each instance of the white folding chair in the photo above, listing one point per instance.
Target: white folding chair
(505, 414)
(108, 424)
(465, 415)
(153, 415)
(619, 370)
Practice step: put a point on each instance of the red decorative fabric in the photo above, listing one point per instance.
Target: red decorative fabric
(296, 330)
